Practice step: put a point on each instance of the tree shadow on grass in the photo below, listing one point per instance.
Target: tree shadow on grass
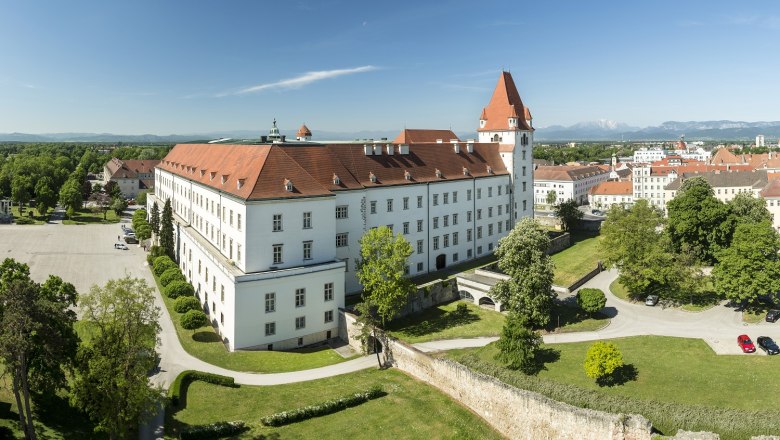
(567, 312)
(434, 320)
(543, 357)
(55, 412)
(206, 337)
(626, 373)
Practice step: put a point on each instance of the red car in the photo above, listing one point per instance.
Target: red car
(746, 344)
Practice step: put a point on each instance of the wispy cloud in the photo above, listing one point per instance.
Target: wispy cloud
(301, 80)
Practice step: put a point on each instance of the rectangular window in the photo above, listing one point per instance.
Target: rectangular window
(523, 171)
(468, 235)
(300, 322)
(406, 203)
(419, 267)
(479, 233)
(446, 198)
(419, 201)
(307, 250)
(231, 217)
(419, 225)
(490, 212)
(238, 253)
(468, 216)
(454, 197)
(500, 227)
(307, 220)
(455, 257)
(499, 189)
(389, 205)
(525, 206)
(507, 225)
(270, 302)
(435, 199)
(468, 195)
(499, 209)
(342, 212)
(328, 291)
(230, 249)
(490, 246)
(446, 220)
(342, 239)
(454, 238)
(277, 222)
(479, 193)
(270, 328)
(390, 227)
(238, 220)
(419, 246)
(436, 243)
(524, 186)
(469, 253)
(446, 240)
(436, 223)
(479, 214)
(222, 293)
(454, 219)
(406, 228)
(329, 316)
(277, 253)
(490, 191)
(490, 229)
(373, 207)
(223, 242)
(300, 297)
(479, 250)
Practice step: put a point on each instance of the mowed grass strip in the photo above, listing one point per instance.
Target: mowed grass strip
(205, 344)
(574, 262)
(86, 216)
(671, 369)
(443, 322)
(410, 410)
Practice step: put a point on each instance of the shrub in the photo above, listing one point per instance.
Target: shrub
(186, 377)
(322, 409)
(183, 304)
(194, 319)
(161, 264)
(172, 274)
(591, 300)
(178, 288)
(461, 310)
(518, 345)
(154, 252)
(602, 359)
(213, 430)
(24, 221)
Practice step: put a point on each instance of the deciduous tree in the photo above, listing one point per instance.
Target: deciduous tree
(552, 196)
(602, 359)
(698, 220)
(528, 292)
(45, 197)
(591, 300)
(568, 213)
(70, 195)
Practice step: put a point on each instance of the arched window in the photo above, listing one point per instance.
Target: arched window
(495, 138)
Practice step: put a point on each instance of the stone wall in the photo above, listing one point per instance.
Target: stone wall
(429, 295)
(516, 413)
(559, 243)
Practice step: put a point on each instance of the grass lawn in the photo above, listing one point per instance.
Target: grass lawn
(672, 369)
(410, 410)
(574, 262)
(442, 322)
(85, 216)
(37, 217)
(205, 344)
(752, 316)
(567, 318)
(706, 299)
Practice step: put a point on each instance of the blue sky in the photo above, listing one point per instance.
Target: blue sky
(181, 67)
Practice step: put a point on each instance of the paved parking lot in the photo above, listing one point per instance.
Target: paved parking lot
(83, 255)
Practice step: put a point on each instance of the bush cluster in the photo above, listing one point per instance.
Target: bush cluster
(194, 319)
(23, 220)
(322, 409)
(163, 263)
(666, 416)
(183, 304)
(591, 300)
(178, 288)
(154, 252)
(170, 275)
(213, 430)
(185, 378)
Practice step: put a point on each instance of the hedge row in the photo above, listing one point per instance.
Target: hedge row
(183, 304)
(193, 319)
(322, 409)
(213, 430)
(170, 275)
(666, 416)
(188, 376)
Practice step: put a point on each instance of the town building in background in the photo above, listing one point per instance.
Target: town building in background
(131, 176)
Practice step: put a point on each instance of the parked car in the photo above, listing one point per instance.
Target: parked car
(772, 315)
(129, 234)
(131, 239)
(768, 345)
(597, 212)
(651, 300)
(746, 344)
(120, 246)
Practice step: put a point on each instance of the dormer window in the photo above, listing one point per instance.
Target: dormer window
(225, 178)
(465, 171)
(372, 177)
(240, 183)
(489, 169)
(336, 180)
(288, 185)
(482, 123)
(512, 122)
(213, 175)
(202, 173)
(407, 175)
(438, 173)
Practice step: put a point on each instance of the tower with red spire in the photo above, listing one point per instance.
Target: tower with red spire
(507, 122)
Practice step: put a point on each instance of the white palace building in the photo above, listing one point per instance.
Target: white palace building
(268, 232)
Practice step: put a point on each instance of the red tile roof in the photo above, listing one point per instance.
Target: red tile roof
(313, 168)
(421, 136)
(772, 190)
(303, 131)
(129, 169)
(505, 103)
(620, 188)
(567, 172)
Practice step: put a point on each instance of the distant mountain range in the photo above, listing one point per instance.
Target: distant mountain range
(606, 130)
(602, 130)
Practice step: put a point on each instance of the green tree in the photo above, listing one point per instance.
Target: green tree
(155, 219)
(698, 220)
(166, 230)
(383, 259)
(528, 292)
(21, 190)
(70, 195)
(568, 213)
(118, 205)
(591, 300)
(602, 359)
(45, 197)
(37, 340)
(102, 202)
(518, 345)
(111, 384)
(552, 196)
(749, 269)
(140, 199)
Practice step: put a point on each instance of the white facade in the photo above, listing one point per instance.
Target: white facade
(573, 188)
(651, 187)
(760, 141)
(645, 155)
